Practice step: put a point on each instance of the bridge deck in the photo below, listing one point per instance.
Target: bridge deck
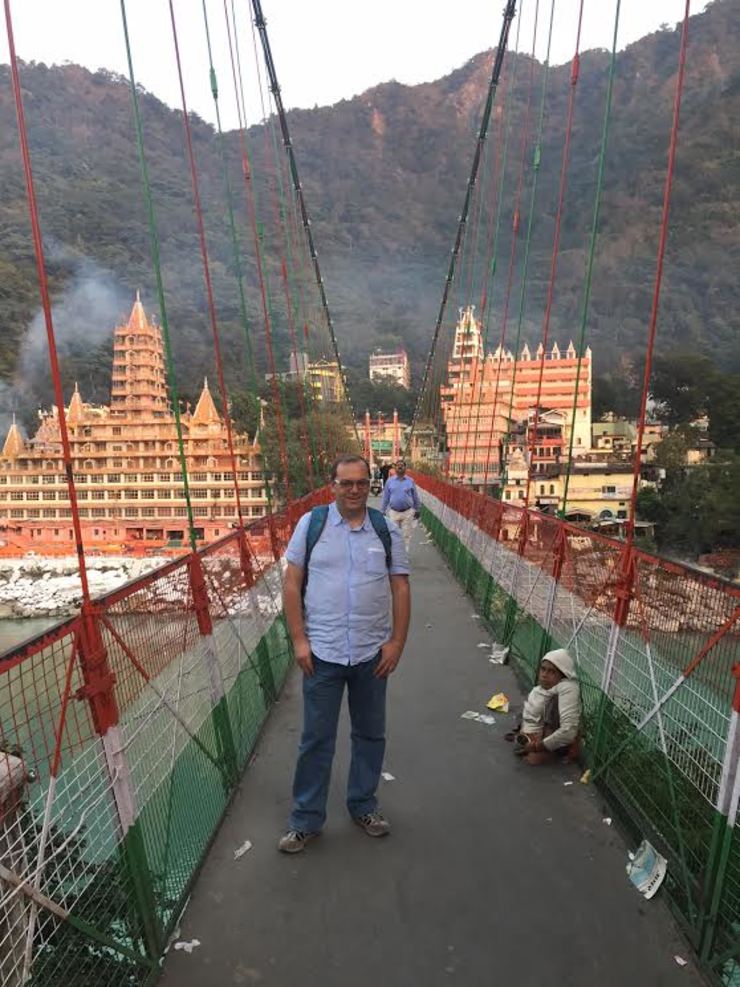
(494, 871)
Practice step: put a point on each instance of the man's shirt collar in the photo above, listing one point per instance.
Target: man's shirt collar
(336, 518)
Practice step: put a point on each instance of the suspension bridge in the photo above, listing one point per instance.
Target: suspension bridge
(149, 738)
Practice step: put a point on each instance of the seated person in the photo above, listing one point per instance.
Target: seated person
(552, 712)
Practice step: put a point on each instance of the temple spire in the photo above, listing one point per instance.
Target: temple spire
(14, 444)
(205, 410)
(76, 408)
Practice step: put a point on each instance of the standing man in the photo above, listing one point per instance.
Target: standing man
(401, 501)
(347, 569)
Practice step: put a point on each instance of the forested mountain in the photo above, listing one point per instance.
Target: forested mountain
(384, 176)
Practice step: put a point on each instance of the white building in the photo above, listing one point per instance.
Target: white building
(391, 365)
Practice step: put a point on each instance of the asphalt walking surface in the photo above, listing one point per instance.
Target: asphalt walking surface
(495, 872)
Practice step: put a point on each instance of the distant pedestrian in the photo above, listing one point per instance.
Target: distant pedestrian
(347, 567)
(401, 501)
(384, 471)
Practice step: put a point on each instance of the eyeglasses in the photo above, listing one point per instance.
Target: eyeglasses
(348, 484)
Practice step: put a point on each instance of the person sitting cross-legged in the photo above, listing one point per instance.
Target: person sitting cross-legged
(551, 718)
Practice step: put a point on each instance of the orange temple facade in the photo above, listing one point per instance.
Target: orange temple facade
(485, 395)
(127, 466)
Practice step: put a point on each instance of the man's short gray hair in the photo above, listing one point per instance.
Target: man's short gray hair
(348, 457)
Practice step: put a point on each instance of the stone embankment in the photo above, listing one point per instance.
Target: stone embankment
(37, 587)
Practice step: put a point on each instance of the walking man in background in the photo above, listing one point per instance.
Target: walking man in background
(347, 568)
(401, 501)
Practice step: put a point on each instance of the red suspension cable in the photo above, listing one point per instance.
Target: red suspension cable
(574, 71)
(206, 268)
(514, 237)
(46, 305)
(283, 265)
(252, 214)
(659, 269)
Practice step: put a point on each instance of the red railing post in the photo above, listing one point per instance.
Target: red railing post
(623, 592)
(98, 691)
(220, 711)
(245, 558)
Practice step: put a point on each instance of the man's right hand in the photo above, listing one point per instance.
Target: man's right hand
(302, 652)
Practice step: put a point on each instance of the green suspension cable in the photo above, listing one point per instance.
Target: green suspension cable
(292, 300)
(592, 248)
(536, 162)
(435, 405)
(154, 247)
(251, 369)
(491, 274)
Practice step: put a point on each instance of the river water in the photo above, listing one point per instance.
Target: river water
(15, 630)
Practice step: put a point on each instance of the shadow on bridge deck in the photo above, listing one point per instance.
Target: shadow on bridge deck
(494, 871)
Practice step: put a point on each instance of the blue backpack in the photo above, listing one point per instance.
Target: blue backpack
(317, 524)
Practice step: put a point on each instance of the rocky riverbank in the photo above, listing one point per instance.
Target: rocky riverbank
(51, 587)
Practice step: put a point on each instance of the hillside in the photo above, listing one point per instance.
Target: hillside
(384, 176)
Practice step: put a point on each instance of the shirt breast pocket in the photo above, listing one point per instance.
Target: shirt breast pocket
(375, 562)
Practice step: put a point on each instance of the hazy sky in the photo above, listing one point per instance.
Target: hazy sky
(324, 50)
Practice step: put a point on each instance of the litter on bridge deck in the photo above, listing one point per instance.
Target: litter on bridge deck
(499, 701)
(498, 655)
(387, 776)
(647, 869)
(471, 714)
(187, 947)
(241, 850)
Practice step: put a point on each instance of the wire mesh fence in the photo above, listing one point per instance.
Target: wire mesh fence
(122, 735)
(657, 650)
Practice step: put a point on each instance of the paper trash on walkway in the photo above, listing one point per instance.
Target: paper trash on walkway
(241, 850)
(607, 820)
(566, 783)
(680, 960)
(499, 702)
(647, 869)
(188, 947)
(470, 714)
(498, 655)
(484, 644)
(387, 776)
(475, 616)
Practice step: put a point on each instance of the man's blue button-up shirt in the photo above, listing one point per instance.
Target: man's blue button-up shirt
(400, 494)
(348, 596)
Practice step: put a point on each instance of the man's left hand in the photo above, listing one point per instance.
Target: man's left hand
(417, 515)
(390, 655)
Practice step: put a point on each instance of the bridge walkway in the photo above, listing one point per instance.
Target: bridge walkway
(495, 872)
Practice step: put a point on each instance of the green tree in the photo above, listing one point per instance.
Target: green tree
(699, 510)
(671, 453)
(680, 386)
(381, 396)
(723, 408)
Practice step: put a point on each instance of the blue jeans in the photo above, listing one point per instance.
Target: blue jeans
(322, 700)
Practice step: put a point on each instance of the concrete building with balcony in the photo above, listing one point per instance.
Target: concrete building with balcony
(126, 463)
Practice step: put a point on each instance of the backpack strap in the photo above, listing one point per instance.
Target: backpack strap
(379, 523)
(316, 526)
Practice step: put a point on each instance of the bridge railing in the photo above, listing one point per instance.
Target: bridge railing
(123, 732)
(657, 649)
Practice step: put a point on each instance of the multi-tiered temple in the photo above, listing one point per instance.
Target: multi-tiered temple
(485, 396)
(126, 464)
